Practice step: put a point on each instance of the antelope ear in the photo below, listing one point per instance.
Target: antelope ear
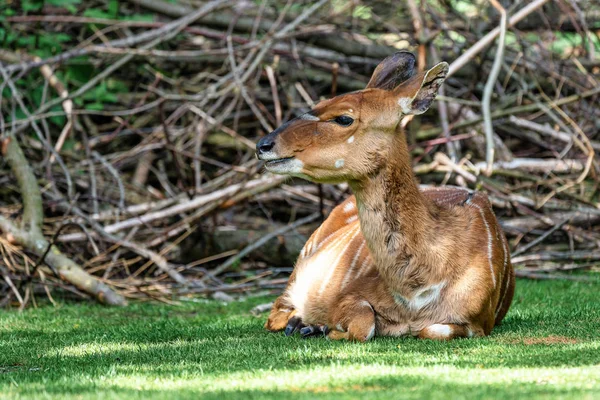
(392, 71)
(416, 95)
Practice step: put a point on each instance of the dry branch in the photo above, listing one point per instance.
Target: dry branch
(164, 178)
(30, 234)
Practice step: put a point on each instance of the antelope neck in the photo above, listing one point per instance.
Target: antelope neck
(396, 219)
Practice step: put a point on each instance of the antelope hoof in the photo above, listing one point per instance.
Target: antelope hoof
(293, 325)
(314, 331)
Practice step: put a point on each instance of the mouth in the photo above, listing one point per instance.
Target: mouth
(272, 163)
(284, 165)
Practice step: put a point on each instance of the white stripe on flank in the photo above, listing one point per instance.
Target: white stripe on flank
(352, 265)
(307, 250)
(337, 259)
(363, 266)
(490, 239)
(502, 299)
(505, 249)
(311, 272)
(349, 207)
(321, 243)
(351, 219)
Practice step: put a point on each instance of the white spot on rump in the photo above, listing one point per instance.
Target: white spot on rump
(351, 139)
(441, 330)
(339, 163)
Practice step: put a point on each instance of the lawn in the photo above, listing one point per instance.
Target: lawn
(549, 346)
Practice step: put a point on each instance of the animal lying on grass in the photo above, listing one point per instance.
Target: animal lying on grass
(391, 260)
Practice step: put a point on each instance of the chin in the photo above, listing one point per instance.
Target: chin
(319, 177)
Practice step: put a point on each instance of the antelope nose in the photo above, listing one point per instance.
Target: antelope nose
(264, 145)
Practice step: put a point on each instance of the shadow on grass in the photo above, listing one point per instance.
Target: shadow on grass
(40, 350)
(397, 384)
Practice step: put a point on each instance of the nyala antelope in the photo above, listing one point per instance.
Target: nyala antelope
(391, 260)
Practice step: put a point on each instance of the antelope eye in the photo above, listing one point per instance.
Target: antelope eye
(343, 120)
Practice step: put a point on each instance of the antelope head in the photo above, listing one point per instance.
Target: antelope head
(348, 137)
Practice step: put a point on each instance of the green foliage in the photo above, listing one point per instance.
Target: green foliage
(362, 12)
(32, 5)
(36, 5)
(76, 71)
(7, 12)
(467, 8)
(113, 8)
(105, 92)
(68, 4)
(112, 12)
(80, 71)
(45, 45)
(359, 11)
(566, 41)
(549, 346)
(97, 13)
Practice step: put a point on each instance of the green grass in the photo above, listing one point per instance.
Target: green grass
(549, 346)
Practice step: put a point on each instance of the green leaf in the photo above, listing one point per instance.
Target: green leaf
(139, 17)
(113, 8)
(58, 120)
(9, 12)
(32, 5)
(97, 13)
(116, 86)
(94, 106)
(79, 73)
(362, 12)
(25, 41)
(67, 4)
(100, 94)
(69, 144)
(36, 92)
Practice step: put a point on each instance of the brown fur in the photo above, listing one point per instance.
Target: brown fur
(435, 263)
